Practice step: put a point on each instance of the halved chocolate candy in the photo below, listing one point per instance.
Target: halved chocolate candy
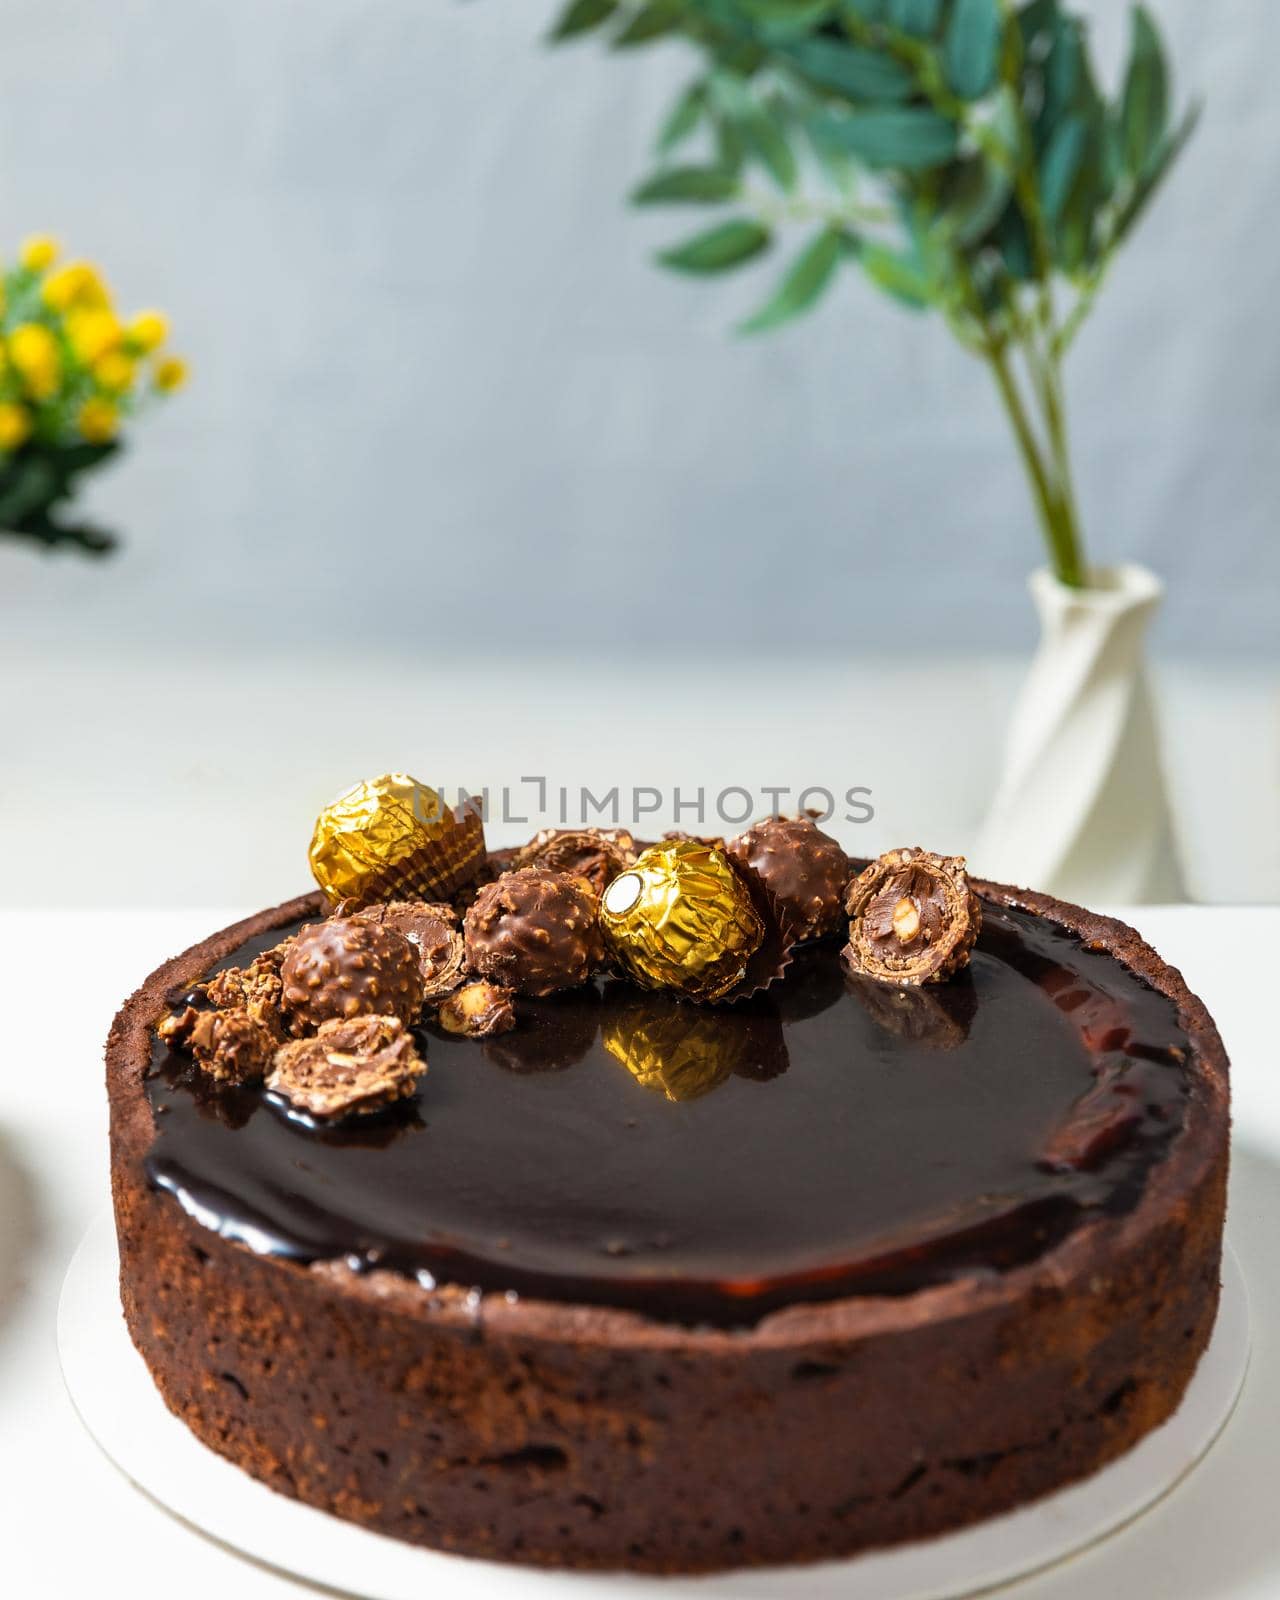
(913, 918)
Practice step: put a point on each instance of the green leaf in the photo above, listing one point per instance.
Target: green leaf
(899, 273)
(975, 197)
(803, 284)
(731, 147)
(683, 118)
(910, 137)
(971, 48)
(1060, 165)
(786, 17)
(652, 21)
(915, 16)
(580, 16)
(1144, 111)
(757, 128)
(1144, 190)
(722, 247)
(1014, 244)
(769, 143)
(860, 74)
(703, 185)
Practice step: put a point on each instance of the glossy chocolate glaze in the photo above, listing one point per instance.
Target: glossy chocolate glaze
(712, 1164)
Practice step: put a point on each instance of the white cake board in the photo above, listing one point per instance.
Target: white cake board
(112, 1391)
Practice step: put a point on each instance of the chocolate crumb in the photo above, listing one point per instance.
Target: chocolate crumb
(231, 1046)
(479, 1010)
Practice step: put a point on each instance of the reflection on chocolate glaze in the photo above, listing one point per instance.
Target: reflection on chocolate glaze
(551, 1034)
(937, 1016)
(684, 1050)
(714, 1163)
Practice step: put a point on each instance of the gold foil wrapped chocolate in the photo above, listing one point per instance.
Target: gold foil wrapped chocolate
(682, 918)
(393, 838)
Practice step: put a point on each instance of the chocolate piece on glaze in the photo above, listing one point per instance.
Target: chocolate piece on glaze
(534, 931)
(432, 929)
(913, 918)
(478, 1010)
(230, 1045)
(347, 968)
(805, 869)
(350, 1066)
(596, 854)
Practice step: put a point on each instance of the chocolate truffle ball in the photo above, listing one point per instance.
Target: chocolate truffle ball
(347, 968)
(534, 931)
(432, 928)
(804, 868)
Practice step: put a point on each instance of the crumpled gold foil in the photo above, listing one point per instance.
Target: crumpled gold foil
(681, 918)
(393, 838)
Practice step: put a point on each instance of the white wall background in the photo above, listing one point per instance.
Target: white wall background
(446, 413)
(435, 371)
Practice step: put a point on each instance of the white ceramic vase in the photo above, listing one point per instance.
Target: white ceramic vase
(1081, 809)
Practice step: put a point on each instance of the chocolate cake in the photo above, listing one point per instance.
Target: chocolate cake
(644, 1283)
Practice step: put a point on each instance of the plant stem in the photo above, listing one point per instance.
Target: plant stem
(1049, 482)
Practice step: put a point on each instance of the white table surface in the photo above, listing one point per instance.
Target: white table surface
(71, 1526)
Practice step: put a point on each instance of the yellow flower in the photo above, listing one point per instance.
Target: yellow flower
(98, 420)
(15, 425)
(92, 333)
(170, 374)
(39, 252)
(34, 352)
(114, 371)
(76, 284)
(149, 329)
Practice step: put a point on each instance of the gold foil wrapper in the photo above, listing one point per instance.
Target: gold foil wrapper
(393, 838)
(682, 918)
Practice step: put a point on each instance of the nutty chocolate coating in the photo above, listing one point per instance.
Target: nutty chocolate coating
(231, 1045)
(346, 968)
(256, 989)
(913, 918)
(596, 854)
(431, 927)
(806, 870)
(534, 931)
(351, 1066)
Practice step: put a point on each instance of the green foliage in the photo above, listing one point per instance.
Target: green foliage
(804, 282)
(38, 482)
(958, 153)
(728, 244)
(981, 120)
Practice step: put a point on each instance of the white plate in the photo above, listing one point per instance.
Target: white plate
(112, 1391)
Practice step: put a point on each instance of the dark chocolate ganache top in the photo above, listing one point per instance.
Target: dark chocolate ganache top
(709, 1164)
